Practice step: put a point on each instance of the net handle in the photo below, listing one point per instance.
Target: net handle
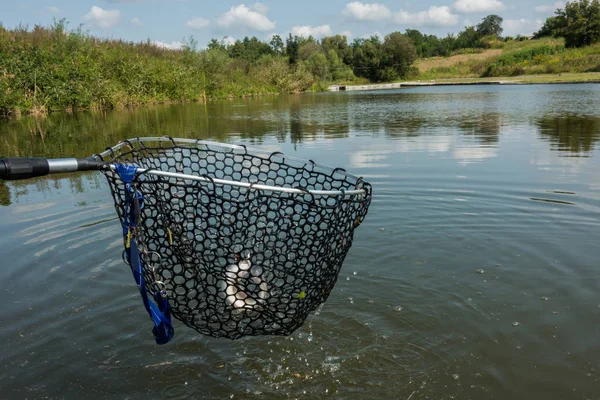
(25, 168)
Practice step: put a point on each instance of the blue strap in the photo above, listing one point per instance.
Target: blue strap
(158, 310)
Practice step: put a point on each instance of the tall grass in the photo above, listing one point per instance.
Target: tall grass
(48, 69)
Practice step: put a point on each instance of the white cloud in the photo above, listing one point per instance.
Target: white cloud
(101, 18)
(358, 11)
(525, 27)
(260, 8)
(348, 34)
(549, 8)
(242, 18)
(197, 23)
(477, 6)
(54, 10)
(228, 41)
(171, 46)
(433, 16)
(137, 22)
(307, 30)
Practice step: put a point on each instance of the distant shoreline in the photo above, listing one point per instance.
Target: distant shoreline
(542, 79)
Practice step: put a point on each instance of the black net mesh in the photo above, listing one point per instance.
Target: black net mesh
(239, 261)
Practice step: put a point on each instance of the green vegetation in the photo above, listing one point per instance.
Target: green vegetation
(55, 69)
(49, 69)
(578, 23)
(530, 57)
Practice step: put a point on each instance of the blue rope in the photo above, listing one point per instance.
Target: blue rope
(160, 312)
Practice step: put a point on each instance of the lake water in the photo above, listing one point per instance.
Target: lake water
(474, 276)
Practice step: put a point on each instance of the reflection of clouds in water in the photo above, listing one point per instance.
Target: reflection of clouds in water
(369, 158)
(372, 156)
(563, 169)
(472, 155)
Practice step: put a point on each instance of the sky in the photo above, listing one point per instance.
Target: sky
(169, 22)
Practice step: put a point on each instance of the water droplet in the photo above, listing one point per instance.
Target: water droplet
(355, 272)
(480, 271)
(516, 323)
(398, 308)
(370, 302)
(347, 278)
(381, 229)
(545, 298)
(455, 376)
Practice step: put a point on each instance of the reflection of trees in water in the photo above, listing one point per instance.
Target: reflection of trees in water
(483, 127)
(316, 116)
(404, 126)
(4, 194)
(71, 183)
(85, 133)
(577, 134)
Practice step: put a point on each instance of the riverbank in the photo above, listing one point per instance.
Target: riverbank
(585, 77)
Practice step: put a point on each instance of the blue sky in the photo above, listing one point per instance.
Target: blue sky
(167, 22)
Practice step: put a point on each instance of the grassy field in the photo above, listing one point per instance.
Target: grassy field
(428, 64)
(529, 61)
(568, 77)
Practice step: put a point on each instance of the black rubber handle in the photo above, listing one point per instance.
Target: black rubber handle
(23, 168)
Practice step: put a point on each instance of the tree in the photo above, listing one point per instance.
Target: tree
(307, 49)
(550, 28)
(214, 44)
(249, 49)
(339, 70)
(318, 64)
(398, 55)
(291, 48)
(490, 25)
(368, 54)
(579, 23)
(469, 38)
(277, 45)
(416, 37)
(339, 44)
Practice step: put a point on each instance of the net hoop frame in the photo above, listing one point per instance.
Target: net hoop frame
(235, 149)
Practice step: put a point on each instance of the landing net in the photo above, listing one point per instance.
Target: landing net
(239, 241)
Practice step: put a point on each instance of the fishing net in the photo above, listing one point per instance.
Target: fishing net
(240, 241)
